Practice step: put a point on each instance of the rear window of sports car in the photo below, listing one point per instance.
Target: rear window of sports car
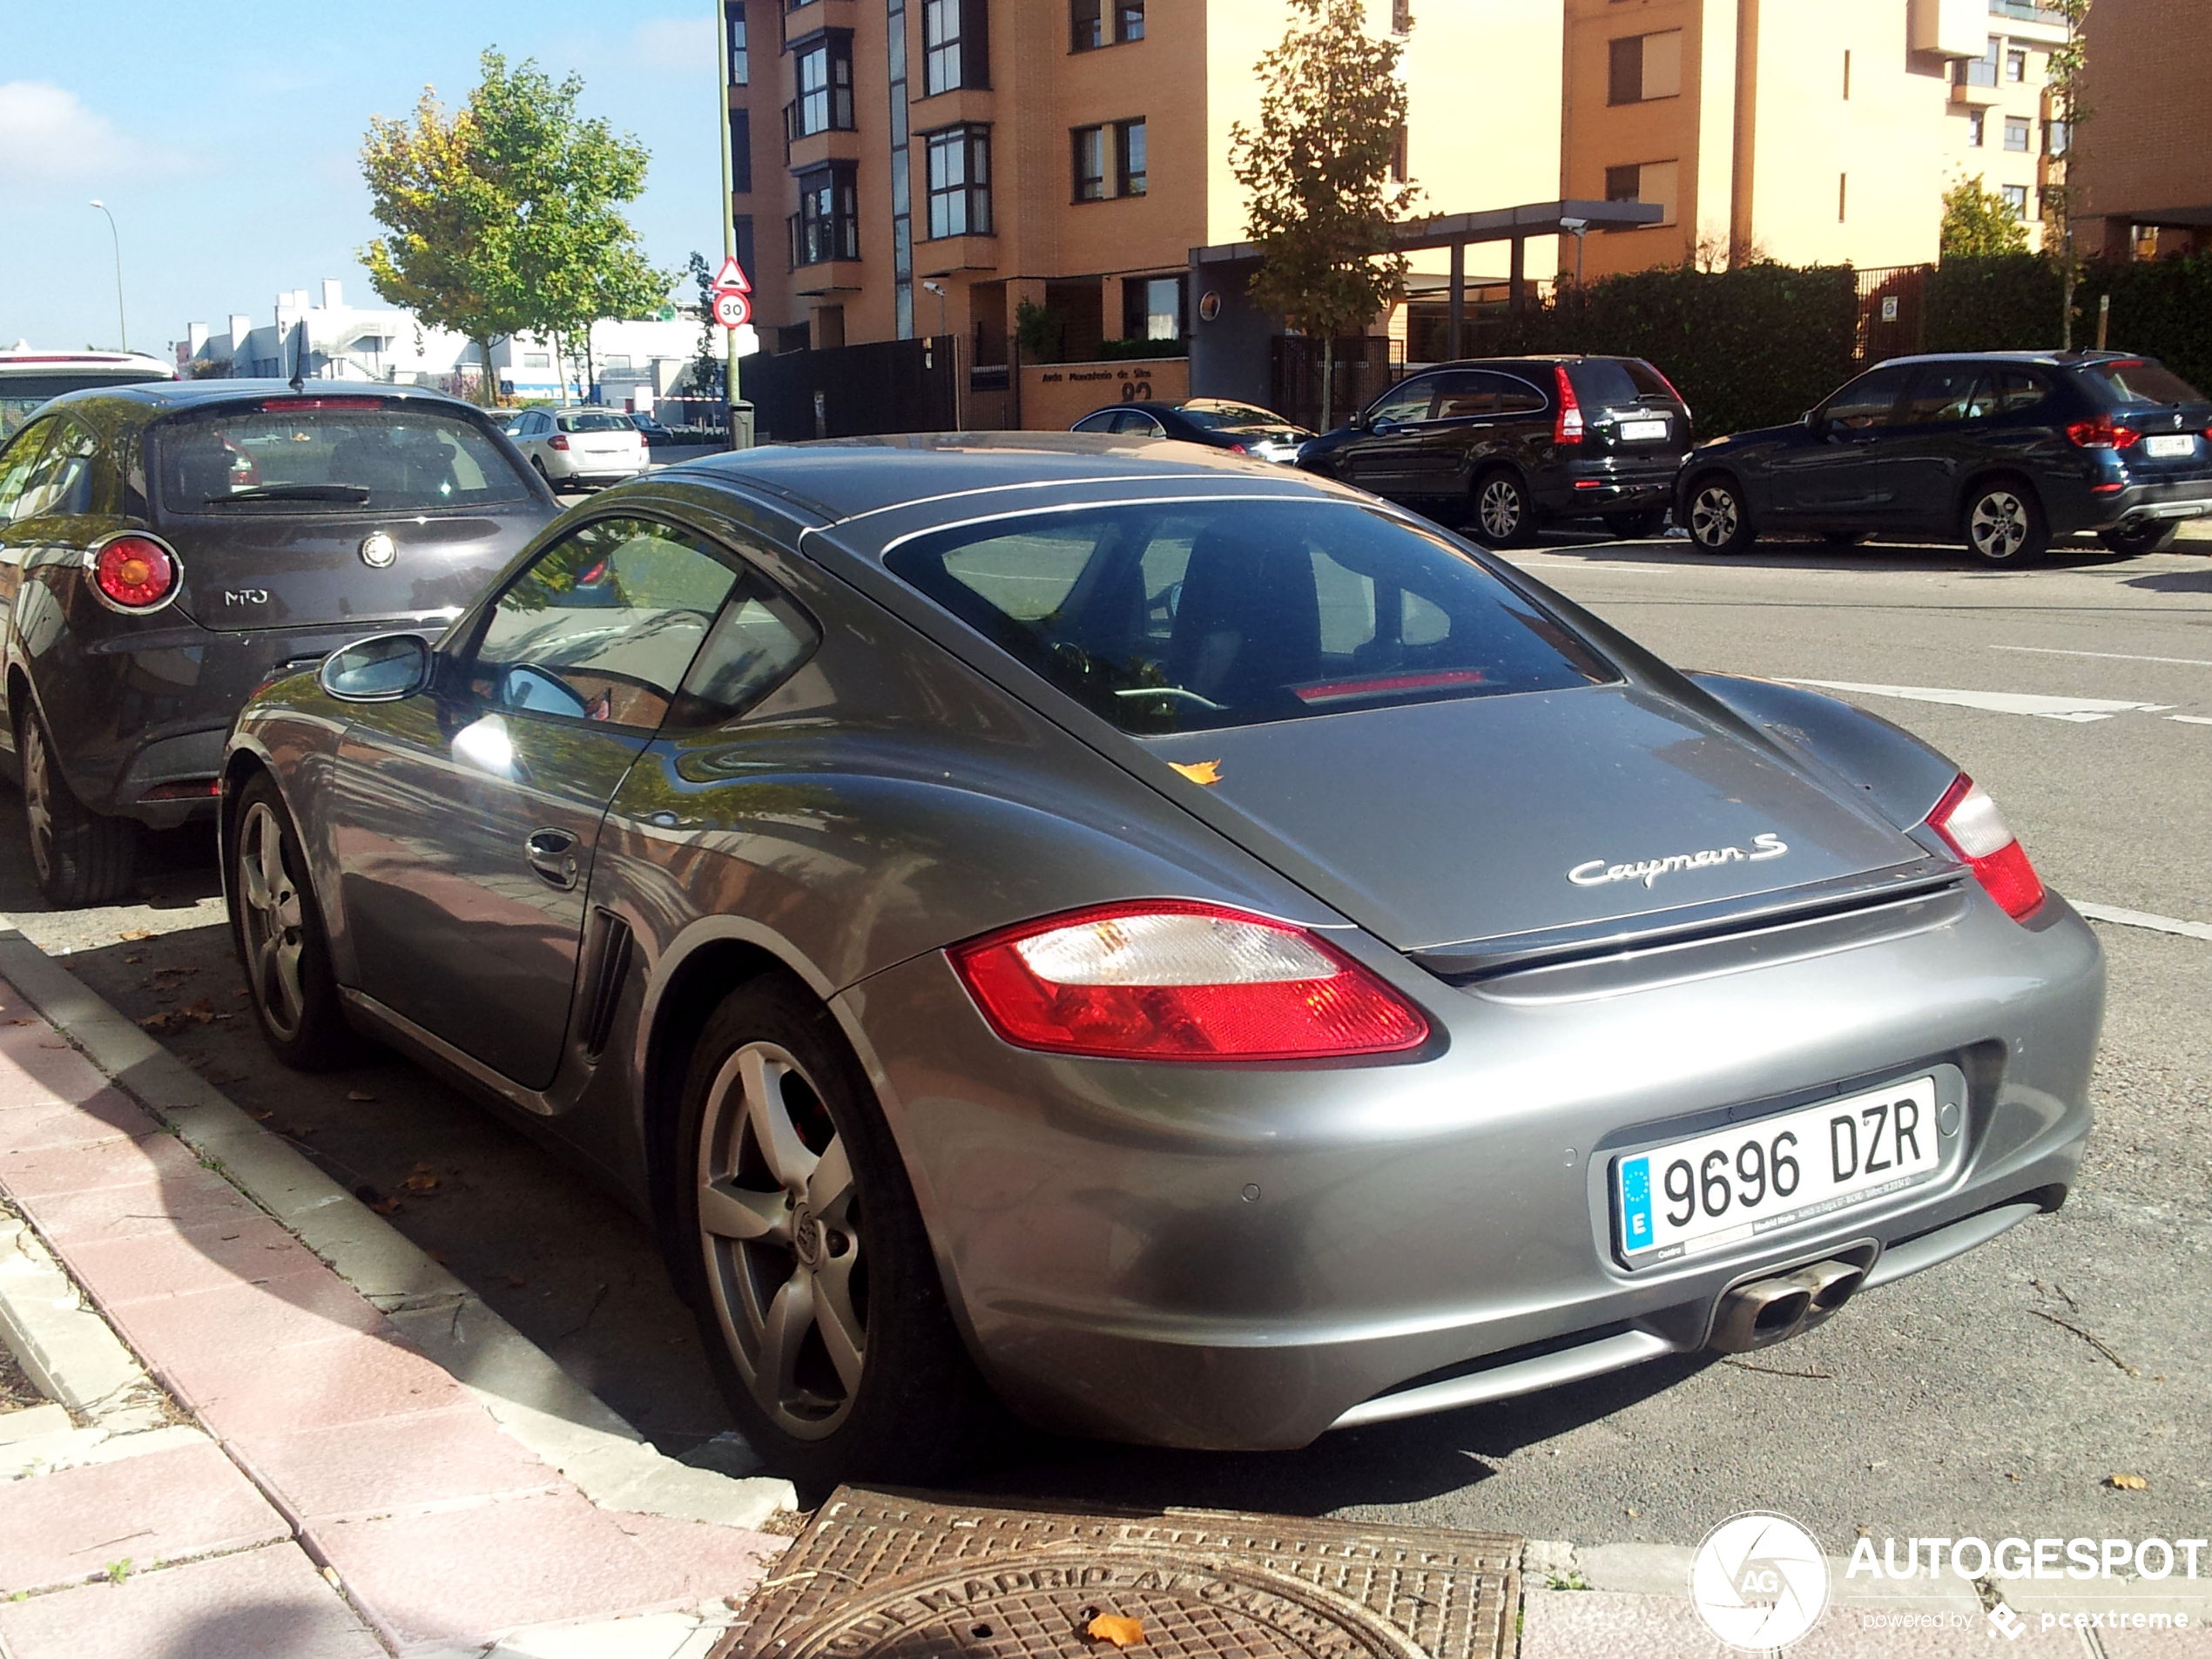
(1182, 616)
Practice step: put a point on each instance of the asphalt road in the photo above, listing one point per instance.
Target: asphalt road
(1992, 1396)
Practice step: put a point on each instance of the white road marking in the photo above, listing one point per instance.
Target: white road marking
(2144, 919)
(2079, 709)
(2108, 656)
(2191, 719)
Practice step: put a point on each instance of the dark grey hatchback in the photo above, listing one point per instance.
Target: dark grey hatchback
(165, 547)
(1506, 445)
(2001, 450)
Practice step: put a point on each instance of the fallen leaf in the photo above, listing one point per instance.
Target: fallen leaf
(137, 932)
(420, 1183)
(1199, 772)
(355, 1094)
(2127, 1482)
(132, 961)
(261, 1117)
(517, 1280)
(1107, 1627)
(386, 1206)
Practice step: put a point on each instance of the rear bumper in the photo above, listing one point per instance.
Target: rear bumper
(1594, 489)
(2078, 503)
(1245, 1260)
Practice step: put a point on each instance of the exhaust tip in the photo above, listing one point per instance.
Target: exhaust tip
(1769, 1311)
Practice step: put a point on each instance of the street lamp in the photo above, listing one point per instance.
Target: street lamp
(937, 288)
(115, 236)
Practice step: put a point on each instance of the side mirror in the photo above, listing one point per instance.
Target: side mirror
(1358, 422)
(383, 669)
(1811, 420)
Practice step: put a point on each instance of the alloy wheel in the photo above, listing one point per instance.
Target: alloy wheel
(1998, 526)
(38, 798)
(275, 939)
(1714, 516)
(780, 1223)
(1499, 509)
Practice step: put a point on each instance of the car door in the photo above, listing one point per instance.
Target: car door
(1837, 477)
(465, 820)
(1465, 425)
(1385, 455)
(1943, 425)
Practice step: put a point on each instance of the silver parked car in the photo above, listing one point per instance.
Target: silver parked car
(1195, 952)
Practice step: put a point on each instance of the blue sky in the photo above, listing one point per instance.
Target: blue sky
(225, 137)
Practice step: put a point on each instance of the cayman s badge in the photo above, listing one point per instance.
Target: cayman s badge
(378, 550)
(1598, 873)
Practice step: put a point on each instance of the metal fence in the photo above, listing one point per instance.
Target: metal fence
(1893, 312)
(853, 391)
(1365, 367)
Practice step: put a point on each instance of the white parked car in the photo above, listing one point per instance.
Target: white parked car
(580, 446)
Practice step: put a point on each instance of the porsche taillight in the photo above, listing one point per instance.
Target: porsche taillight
(1167, 979)
(1971, 825)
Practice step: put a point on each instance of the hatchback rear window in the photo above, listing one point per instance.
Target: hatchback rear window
(1647, 380)
(1174, 617)
(1600, 383)
(596, 423)
(1229, 417)
(2138, 382)
(344, 456)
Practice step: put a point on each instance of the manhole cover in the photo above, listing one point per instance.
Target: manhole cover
(884, 1575)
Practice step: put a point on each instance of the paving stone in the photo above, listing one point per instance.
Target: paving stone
(268, 1602)
(31, 1122)
(399, 1463)
(61, 1529)
(351, 1379)
(249, 1250)
(42, 1171)
(2193, 1644)
(200, 1198)
(1600, 1624)
(457, 1574)
(205, 1333)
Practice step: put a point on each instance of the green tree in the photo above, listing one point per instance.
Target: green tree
(1321, 205)
(508, 216)
(1978, 224)
(2068, 112)
(709, 367)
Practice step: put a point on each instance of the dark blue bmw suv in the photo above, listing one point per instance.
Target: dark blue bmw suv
(2001, 450)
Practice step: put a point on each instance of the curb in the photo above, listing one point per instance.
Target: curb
(531, 1397)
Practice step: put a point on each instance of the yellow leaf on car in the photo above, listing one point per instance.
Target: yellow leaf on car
(1199, 772)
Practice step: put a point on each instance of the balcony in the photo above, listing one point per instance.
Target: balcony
(2025, 21)
(950, 255)
(1975, 95)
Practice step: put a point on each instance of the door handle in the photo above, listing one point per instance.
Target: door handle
(551, 852)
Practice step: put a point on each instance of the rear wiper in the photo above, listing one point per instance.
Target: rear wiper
(353, 493)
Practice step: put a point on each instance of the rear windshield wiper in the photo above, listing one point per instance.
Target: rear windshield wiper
(353, 493)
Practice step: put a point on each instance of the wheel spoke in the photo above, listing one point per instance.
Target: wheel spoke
(842, 1332)
(727, 1212)
(782, 1332)
(272, 859)
(287, 961)
(829, 1189)
(786, 1155)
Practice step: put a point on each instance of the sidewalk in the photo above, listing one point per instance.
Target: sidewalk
(292, 1472)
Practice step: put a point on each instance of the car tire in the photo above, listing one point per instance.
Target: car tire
(545, 477)
(1504, 515)
(82, 857)
(2003, 524)
(276, 928)
(811, 1212)
(2154, 537)
(1716, 516)
(1638, 527)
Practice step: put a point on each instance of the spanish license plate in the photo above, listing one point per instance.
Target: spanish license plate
(1757, 1177)
(2171, 443)
(1642, 431)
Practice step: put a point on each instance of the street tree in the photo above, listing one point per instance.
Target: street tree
(1322, 205)
(1980, 224)
(2069, 111)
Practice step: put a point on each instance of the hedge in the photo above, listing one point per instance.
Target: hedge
(1750, 348)
(2162, 308)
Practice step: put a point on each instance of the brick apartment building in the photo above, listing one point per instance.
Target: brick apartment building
(2143, 176)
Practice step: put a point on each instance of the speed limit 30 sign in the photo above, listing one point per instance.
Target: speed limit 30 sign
(732, 309)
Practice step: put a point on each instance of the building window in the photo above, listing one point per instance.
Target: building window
(1847, 75)
(1398, 168)
(1090, 164)
(824, 100)
(1152, 307)
(2016, 64)
(955, 49)
(1649, 181)
(1843, 195)
(741, 152)
(2016, 133)
(1129, 20)
(828, 225)
(1982, 70)
(733, 19)
(741, 229)
(1976, 124)
(902, 224)
(537, 360)
(2015, 200)
(960, 181)
(1401, 17)
(2057, 135)
(1086, 25)
(1642, 67)
(1129, 158)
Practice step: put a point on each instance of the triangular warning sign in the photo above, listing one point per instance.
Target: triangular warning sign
(731, 275)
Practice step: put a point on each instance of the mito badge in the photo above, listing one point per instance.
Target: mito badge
(1759, 1580)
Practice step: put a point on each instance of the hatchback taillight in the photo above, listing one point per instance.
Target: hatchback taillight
(1167, 979)
(560, 441)
(2103, 433)
(1567, 428)
(1971, 825)
(135, 572)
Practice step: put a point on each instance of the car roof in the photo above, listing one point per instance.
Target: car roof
(159, 396)
(842, 478)
(2042, 358)
(25, 360)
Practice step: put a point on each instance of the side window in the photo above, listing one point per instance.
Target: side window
(1956, 392)
(1108, 420)
(1407, 402)
(603, 624)
(1137, 424)
(2017, 389)
(1463, 393)
(61, 480)
(752, 648)
(18, 461)
(1517, 396)
(1868, 402)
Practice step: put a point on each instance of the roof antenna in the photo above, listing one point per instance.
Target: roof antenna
(300, 356)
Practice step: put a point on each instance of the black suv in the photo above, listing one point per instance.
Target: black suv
(1507, 444)
(2001, 450)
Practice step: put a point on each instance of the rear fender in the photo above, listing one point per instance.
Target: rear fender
(1894, 772)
